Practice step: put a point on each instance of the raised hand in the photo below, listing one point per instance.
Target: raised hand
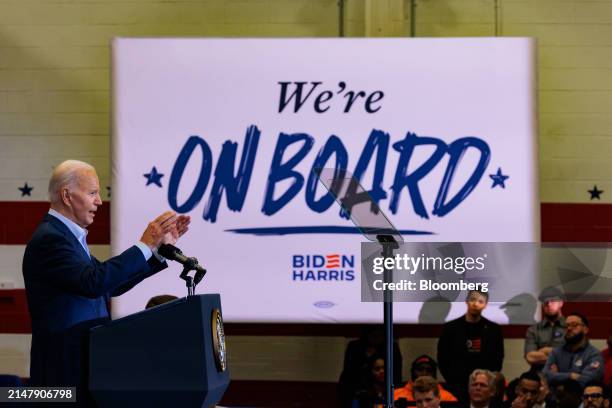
(181, 226)
(157, 229)
(519, 402)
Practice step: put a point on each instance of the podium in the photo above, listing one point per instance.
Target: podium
(172, 355)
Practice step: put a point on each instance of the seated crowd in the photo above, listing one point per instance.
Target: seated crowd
(566, 370)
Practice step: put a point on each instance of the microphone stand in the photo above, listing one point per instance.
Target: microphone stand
(191, 282)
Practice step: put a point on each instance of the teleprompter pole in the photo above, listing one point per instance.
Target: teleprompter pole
(388, 245)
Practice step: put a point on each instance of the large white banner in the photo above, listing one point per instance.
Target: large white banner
(440, 132)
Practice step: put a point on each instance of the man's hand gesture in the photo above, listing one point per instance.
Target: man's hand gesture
(181, 226)
(165, 229)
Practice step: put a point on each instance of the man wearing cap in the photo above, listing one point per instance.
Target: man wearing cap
(577, 359)
(422, 366)
(547, 334)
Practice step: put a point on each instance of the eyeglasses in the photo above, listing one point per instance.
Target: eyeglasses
(595, 395)
(572, 325)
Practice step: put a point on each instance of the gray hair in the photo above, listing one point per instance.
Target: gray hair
(490, 378)
(65, 174)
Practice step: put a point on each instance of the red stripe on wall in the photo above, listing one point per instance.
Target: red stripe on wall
(18, 220)
(576, 222)
(560, 223)
(14, 316)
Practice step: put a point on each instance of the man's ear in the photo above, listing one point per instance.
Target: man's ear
(65, 196)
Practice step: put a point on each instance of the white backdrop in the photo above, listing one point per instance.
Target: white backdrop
(210, 91)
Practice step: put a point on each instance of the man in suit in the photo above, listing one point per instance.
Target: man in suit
(469, 343)
(68, 290)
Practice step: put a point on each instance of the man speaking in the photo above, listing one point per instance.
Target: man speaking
(68, 289)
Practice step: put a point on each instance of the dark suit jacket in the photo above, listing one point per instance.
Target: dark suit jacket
(68, 293)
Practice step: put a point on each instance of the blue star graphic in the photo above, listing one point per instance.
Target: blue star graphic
(498, 178)
(26, 190)
(154, 177)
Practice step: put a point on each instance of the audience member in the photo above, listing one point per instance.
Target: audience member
(545, 398)
(422, 366)
(159, 300)
(500, 389)
(469, 343)
(511, 389)
(355, 360)
(371, 392)
(481, 389)
(527, 390)
(568, 394)
(547, 334)
(577, 359)
(596, 395)
(607, 357)
(427, 392)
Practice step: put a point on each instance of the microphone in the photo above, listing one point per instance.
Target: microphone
(174, 254)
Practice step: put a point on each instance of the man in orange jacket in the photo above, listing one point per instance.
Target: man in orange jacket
(422, 366)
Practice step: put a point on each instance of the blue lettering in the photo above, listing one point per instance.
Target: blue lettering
(232, 179)
(402, 179)
(281, 171)
(298, 261)
(348, 260)
(332, 146)
(235, 186)
(377, 141)
(177, 173)
(318, 261)
(456, 151)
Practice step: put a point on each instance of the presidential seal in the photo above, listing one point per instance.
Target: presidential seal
(218, 337)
